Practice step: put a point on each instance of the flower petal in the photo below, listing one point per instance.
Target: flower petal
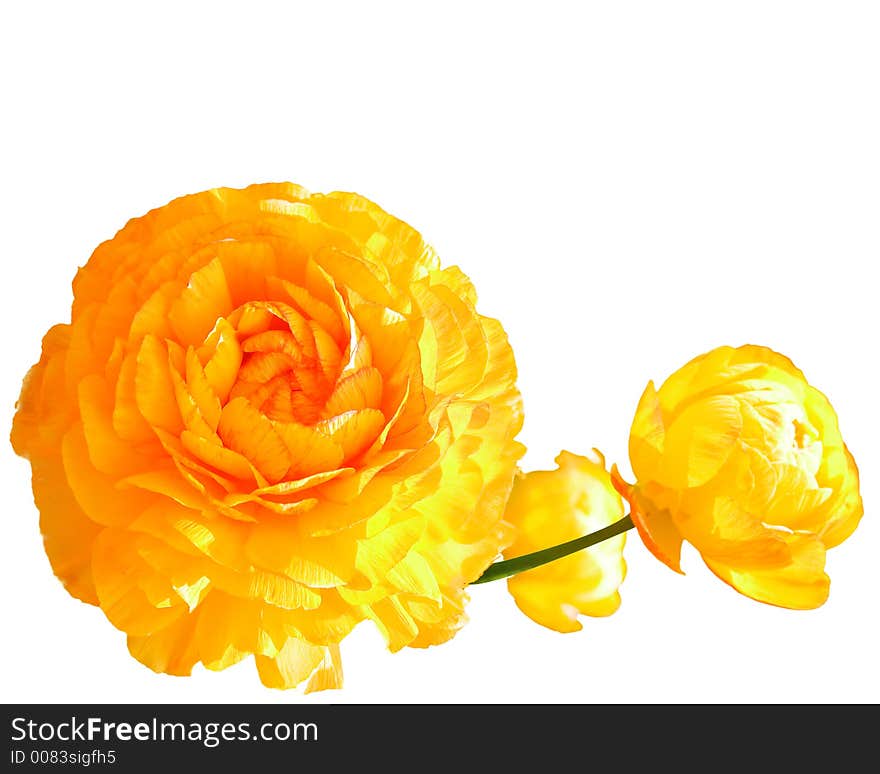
(802, 585)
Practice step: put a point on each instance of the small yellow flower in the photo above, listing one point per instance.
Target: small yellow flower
(740, 456)
(548, 507)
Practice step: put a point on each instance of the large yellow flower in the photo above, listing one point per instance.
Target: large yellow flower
(737, 454)
(272, 416)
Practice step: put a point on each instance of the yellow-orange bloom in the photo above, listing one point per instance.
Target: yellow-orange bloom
(273, 415)
(548, 507)
(740, 456)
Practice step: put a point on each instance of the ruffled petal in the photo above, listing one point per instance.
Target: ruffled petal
(800, 585)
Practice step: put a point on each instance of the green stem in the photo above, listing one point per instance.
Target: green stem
(525, 562)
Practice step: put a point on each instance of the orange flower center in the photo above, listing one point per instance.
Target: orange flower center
(282, 373)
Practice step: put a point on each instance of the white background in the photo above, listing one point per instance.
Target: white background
(628, 185)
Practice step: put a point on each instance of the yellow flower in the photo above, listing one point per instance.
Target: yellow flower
(740, 456)
(549, 507)
(273, 415)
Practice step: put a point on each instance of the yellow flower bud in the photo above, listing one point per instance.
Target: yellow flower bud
(549, 507)
(737, 454)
